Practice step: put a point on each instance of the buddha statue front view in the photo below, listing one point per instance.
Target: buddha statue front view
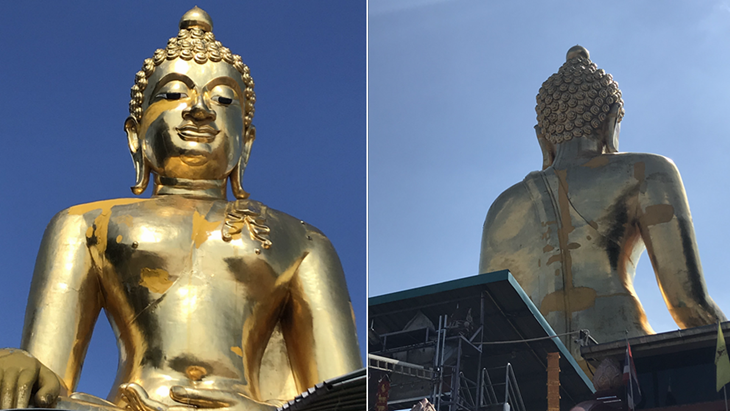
(198, 290)
(572, 233)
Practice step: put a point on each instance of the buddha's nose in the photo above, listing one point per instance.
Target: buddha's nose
(199, 112)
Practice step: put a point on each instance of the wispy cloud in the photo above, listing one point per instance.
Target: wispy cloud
(717, 21)
(379, 7)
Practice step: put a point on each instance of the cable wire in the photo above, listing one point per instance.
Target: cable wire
(526, 340)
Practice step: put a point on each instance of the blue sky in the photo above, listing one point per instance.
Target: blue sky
(452, 86)
(68, 69)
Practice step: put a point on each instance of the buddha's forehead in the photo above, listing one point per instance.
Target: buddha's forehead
(200, 74)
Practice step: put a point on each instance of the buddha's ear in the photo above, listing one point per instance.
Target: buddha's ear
(613, 127)
(237, 173)
(548, 148)
(141, 168)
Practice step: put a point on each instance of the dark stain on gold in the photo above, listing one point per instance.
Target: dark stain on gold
(554, 259)
(564, 231)
(657, 214)
(581, 298)
(640, 171)
(596, 162)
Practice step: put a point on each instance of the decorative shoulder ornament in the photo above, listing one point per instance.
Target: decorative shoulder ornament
(249, 214)
(575, 101)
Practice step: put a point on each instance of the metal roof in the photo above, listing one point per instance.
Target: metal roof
(344, 393)
(509, 315)
(670, 342)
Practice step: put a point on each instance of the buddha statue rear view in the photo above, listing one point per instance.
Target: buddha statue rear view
(572, 233)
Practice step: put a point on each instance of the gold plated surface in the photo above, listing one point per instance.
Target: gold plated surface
(572, 233)
(214, 304)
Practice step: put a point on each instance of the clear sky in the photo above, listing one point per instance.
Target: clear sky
(452, 88)
(67, 69)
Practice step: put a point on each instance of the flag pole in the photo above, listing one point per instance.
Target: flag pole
(722, 365)
(631, 382)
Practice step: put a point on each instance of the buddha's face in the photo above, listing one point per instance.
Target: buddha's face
(192, 120)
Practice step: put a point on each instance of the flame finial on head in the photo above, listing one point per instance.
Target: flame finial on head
(573, 52)
(196, 17)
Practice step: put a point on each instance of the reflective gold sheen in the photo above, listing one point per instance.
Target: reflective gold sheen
(215, 304)
(572, 233)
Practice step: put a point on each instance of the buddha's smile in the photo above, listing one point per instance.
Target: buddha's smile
(200, 134)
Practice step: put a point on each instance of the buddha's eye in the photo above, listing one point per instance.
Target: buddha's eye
(171, 96)
(222, 100)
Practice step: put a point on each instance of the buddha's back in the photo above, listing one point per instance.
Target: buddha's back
(572, 233)
(574, 246)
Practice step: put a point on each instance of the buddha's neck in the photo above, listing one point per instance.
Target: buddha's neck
(577, 151)
(212, 189)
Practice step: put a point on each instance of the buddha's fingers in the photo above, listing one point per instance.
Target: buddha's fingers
(138, 400)
(7, 388)
(204, 398)
(49, 388)
(209, 398)
(24, 387)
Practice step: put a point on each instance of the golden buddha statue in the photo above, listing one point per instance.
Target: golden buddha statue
(572, 233)
(214, 304)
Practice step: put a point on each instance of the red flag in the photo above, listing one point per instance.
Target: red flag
(381, 404)
(631, 380)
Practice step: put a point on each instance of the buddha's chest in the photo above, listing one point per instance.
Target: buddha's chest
(181, 259)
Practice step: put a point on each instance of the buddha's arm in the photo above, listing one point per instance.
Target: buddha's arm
(64, 300)
(510, 227)
(318, 323)
(489, 247)
(666, 227)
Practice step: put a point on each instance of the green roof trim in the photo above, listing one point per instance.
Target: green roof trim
(478, 279)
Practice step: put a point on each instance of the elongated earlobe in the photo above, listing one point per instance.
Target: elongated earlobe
(547, 148)
(613, 127)
(237, 173)
(141, 168)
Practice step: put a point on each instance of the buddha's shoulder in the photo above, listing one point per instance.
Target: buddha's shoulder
(510, 200)
(645, 161)
(101, 207)
(88, 214)
(515, 193)
(96, 208)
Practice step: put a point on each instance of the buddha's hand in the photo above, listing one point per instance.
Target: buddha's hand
(22, 376)
(138, 400)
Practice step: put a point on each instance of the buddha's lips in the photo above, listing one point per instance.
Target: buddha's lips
(202, 134)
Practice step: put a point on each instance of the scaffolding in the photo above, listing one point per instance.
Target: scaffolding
(454, 377)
